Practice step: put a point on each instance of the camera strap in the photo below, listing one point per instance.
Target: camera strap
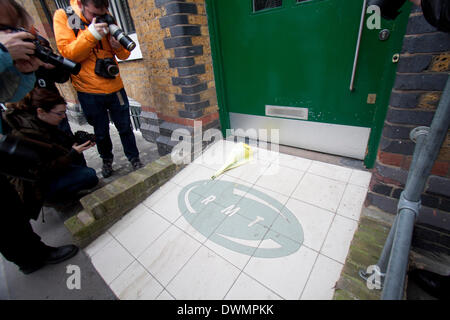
(71, 15)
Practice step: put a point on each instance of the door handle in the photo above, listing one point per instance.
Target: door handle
(358, 45)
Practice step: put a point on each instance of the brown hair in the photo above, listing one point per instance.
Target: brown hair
(17, 12)
(97, 3)
(39, 98)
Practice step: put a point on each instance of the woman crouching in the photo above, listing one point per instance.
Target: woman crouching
(62, 170)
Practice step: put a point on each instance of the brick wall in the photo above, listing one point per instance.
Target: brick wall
(422, 73)
(174, 39)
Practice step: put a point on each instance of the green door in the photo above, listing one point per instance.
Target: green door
(288, 65)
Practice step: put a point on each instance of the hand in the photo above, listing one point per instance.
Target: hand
(114, 43)
(17, 47)
(416, 2)
(83, 147)
(30, 65)
(102, 28)
(48, 66)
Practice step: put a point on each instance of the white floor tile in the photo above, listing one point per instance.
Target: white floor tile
(135, 283)
(142, 232)
(167, 255)
(287, 275)
(249, 172)
(330, 171)
(322, 192)
(158, 194)
(247, 288)
(322, 281)
(293, 162)
(352, 202)
(165, 296)
(216, 155)
(315, 223)
(128, 219)
(168, 207)
(266, 155)
(284, 182)
(360, 178)
(98, 244)
(199, 173)
(339, 238)
(205, 276)
(111, 261)
(181, 176)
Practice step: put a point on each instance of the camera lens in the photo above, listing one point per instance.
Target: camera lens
(113, 70)
(120, 36)
(46, 55)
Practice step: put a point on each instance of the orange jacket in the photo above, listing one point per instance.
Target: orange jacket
(81, 49)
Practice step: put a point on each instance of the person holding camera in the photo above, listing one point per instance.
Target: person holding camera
(18, 242)
(16, 63)
(81, 38)
(62, 172)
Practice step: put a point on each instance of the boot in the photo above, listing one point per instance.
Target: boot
(136, 163)
(53, 256)
(107, 169)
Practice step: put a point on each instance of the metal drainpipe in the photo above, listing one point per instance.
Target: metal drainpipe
(425, 154)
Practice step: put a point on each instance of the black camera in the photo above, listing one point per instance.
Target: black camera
(44, 52)
(82, 137)
(106, 68)
(389, 8)
(116, 32)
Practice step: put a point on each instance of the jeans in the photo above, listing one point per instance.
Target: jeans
(95, 107)
(77, 178)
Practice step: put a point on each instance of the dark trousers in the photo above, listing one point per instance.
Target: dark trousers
(18, 242)
(76, 178)
(95, 107)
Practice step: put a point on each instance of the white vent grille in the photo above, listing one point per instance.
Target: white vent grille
(287, 112)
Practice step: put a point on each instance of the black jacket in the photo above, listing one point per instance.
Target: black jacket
(59, 157)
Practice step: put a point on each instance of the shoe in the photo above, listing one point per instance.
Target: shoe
(436, 285)
(27, 269)
(136, 163)
(57, 255)
(107, 169)
(54, 256)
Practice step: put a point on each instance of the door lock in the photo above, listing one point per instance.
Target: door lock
(384, 34)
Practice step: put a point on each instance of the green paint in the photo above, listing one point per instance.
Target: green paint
(301, 55)
(241, 219)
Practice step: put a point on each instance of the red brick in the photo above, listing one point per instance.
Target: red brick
(391, 159)
(440, 169)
